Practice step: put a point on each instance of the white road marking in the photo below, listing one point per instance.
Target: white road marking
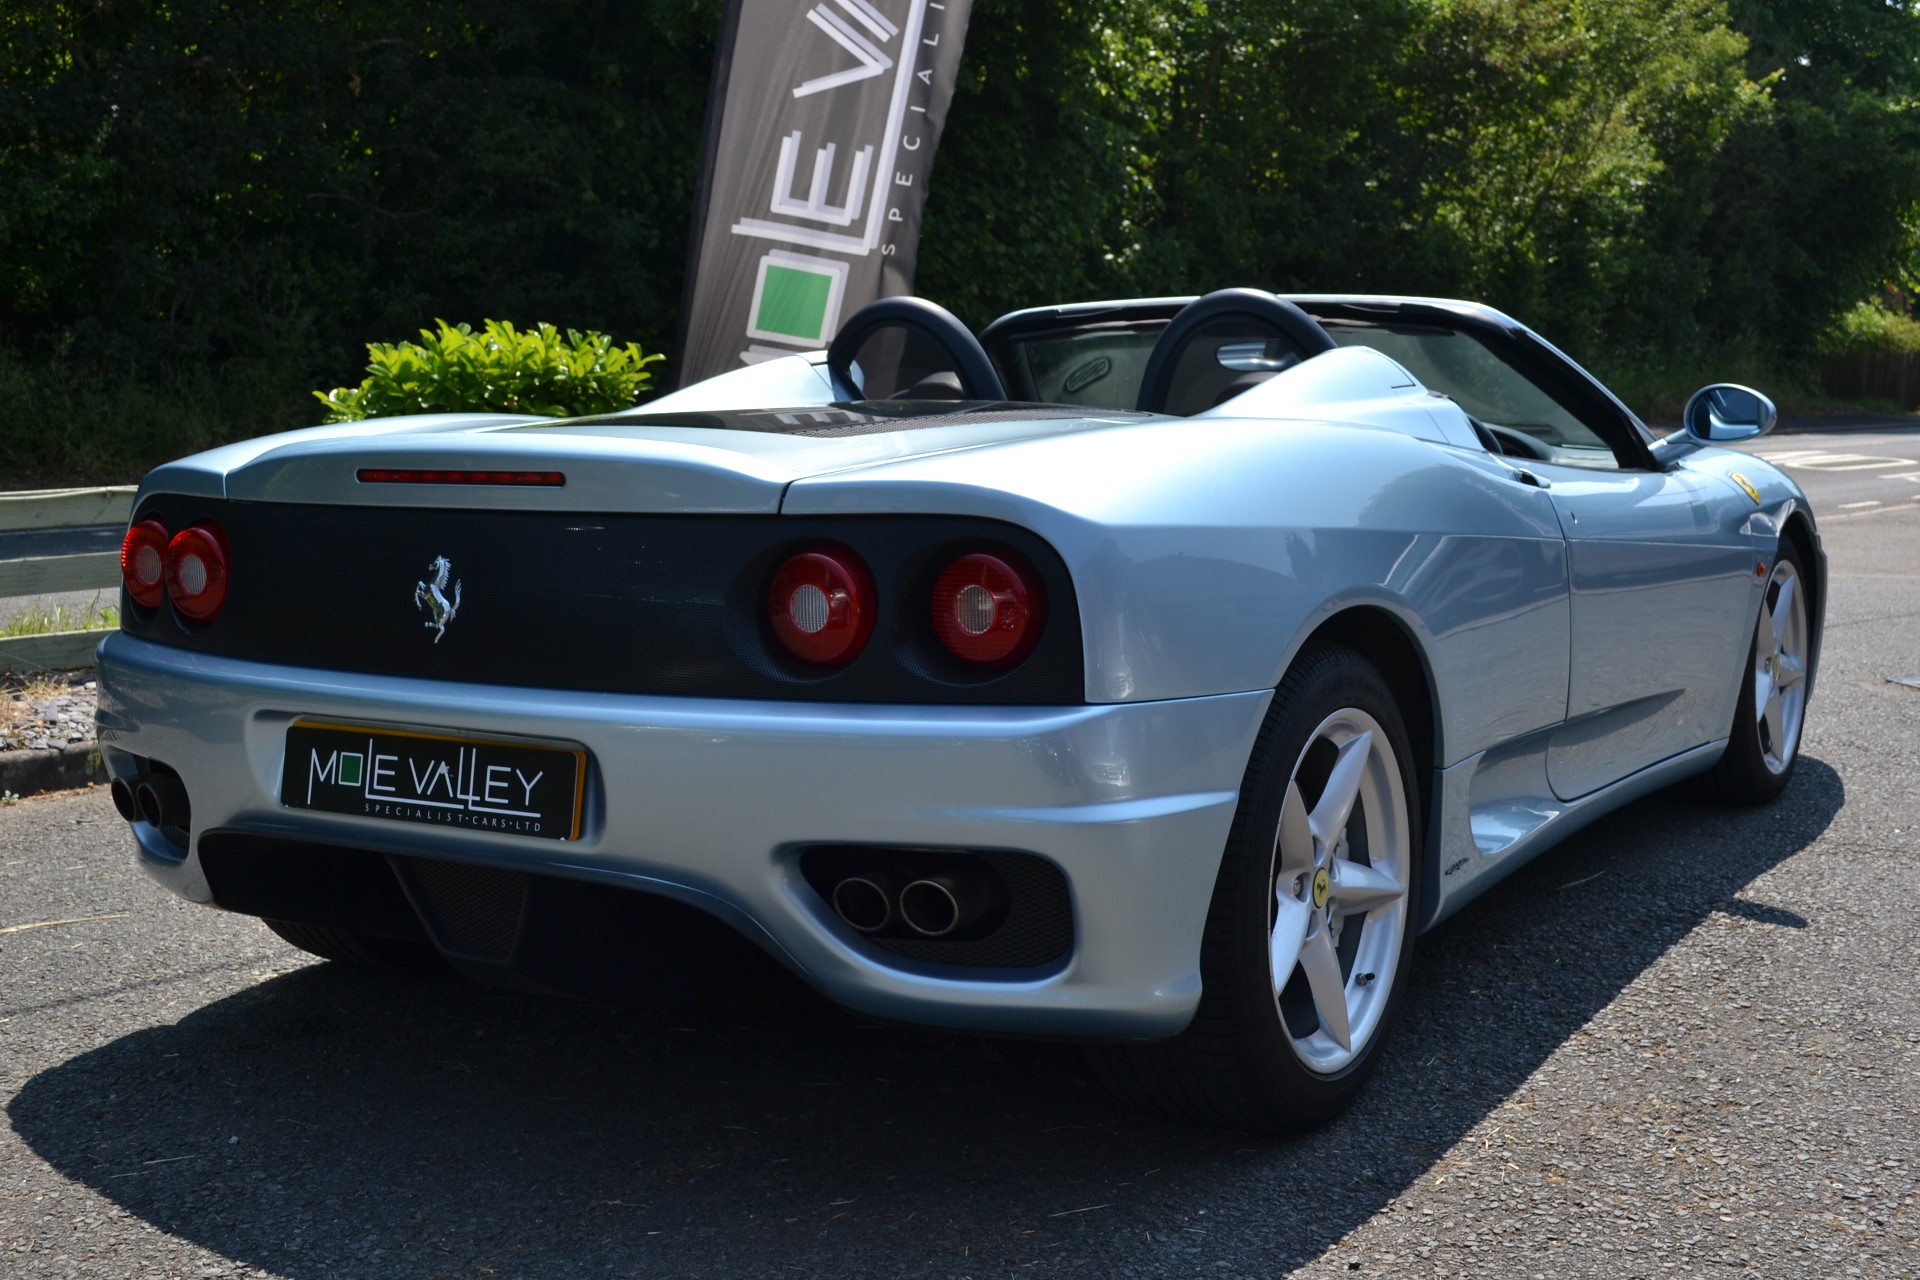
(1819, 460)
(1905, 475)
(1848, 506)
(1884, 509)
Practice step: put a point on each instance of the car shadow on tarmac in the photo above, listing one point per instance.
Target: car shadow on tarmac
(336, 1123)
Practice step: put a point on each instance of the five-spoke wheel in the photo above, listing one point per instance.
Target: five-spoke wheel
(1764, 740)
(1780, 666)
(1309, 939)
(1341, 860)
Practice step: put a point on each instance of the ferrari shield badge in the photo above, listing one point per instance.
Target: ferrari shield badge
(432, 596)
(1746, 484)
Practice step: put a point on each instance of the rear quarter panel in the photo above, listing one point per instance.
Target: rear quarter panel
(1205, 553)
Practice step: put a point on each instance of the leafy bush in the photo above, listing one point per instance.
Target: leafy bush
(1868, 326)
(503, 369)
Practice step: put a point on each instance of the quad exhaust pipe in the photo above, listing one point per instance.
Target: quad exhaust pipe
(123, 802)
(157, 799)
(932, 906)
(935, 907)
(864, 902)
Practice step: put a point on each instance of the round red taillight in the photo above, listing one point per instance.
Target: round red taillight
(197, 571)
(822, 606)
(143, 562)
(987, 610)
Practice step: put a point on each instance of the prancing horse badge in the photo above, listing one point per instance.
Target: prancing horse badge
(432, 596)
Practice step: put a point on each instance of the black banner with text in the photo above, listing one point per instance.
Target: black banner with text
(820, 141)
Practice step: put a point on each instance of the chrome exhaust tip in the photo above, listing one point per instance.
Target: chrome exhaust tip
(931, 908)
(863, 903)
(121, 791)
(161, 800)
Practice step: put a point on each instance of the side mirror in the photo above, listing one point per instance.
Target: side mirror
(1725, 414)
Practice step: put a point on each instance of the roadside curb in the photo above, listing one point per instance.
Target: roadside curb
(27, 773)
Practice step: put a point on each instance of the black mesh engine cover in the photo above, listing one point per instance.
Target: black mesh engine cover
(620, 603)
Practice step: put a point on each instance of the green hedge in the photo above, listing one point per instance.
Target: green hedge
(207, 181)
(215, 197)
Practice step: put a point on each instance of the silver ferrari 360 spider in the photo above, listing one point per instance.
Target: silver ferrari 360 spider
(1149, 673)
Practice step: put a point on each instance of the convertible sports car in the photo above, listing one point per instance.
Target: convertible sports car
(1149, 673)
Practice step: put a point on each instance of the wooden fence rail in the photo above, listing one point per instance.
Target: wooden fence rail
(45, 575)
(1873, 375)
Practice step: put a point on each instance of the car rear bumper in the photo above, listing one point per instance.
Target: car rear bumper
(709, 801)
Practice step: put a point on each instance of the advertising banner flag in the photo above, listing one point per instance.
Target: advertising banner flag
(821, 130)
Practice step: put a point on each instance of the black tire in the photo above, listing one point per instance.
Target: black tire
(1236, 1064)
(348, 947)
(1744, 775)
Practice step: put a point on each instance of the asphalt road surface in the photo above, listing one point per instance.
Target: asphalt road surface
(1687, 1042)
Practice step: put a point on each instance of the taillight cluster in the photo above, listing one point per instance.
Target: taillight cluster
(985, 609)
(822, 606)
(190, 566)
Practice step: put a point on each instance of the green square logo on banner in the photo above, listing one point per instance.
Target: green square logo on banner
(796, 298)
(794, 301)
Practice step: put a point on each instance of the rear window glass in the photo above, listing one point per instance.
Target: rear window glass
(1099, 368)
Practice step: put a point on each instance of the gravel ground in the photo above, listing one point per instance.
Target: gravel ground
(46, 712)
(1685, 1043)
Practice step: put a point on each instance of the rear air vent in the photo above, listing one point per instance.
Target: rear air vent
(473, 911)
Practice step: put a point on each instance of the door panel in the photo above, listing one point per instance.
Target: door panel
(1662, 606)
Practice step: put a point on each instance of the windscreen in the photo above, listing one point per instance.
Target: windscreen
(1488, 388)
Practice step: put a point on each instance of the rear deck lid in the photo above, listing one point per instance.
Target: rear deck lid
(686, 463)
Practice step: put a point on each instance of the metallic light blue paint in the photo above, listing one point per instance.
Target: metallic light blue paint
(1584, 644)
(1133, 803)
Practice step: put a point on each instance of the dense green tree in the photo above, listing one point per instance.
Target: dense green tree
(267, 185)
(207, 179)
(1552, 133)
(1518, 153)
(1813, 203)
(1037, 176)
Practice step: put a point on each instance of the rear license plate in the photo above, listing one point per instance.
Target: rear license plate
(435, 779)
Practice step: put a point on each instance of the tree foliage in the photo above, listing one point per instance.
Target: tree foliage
(1633, 176)
(195, 180)
(273, 183)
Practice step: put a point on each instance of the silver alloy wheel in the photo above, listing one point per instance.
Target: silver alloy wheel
(1341, 865)
(1780, 667)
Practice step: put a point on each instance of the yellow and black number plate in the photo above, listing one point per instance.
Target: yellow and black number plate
(440, 780)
